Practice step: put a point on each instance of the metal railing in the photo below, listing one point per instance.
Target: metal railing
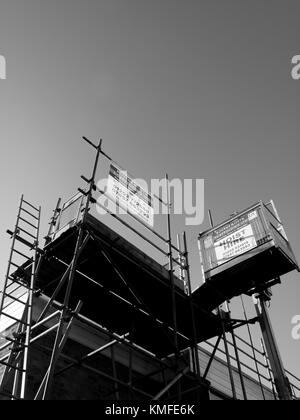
(255, 366)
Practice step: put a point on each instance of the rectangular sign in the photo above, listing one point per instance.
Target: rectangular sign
(130, 196)
(235, 244)
(231, 227)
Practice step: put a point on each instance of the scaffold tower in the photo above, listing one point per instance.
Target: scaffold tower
(143, 317)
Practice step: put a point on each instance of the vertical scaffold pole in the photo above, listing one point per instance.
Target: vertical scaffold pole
(171, 274)
(29, 312)
(171, 268)
(53, 222)
(264, 353)
(281, 381)
(188, 274)
(179, 256)
(80, 240)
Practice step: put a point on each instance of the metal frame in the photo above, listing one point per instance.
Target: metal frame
(27, 229)
(63, 317)
(282, 385)
(67, 316)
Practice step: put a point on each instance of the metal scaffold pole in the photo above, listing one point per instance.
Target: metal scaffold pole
(281, 381)
(171, 268)
(195, 350)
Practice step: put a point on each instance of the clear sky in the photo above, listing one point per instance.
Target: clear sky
(198, 89)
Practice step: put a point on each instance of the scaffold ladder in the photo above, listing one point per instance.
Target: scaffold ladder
(17, 301)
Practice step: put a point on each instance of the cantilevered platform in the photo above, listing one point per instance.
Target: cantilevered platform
(246, 254)
(245, 277)
(124, 290)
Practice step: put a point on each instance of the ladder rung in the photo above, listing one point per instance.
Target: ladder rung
(23, 241)
(15, 265)
(30, 224)
(11, 296)
(15, 319)
(12, 366)
(18, 267)
(7, 305)
(30, 214)
(30, 205)
(14, 298)
(14, 282)
(14, 290)
(17, 282)
(27, 233)
(22, 255)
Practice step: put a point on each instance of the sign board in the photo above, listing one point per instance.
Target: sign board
(235, 244)
(232, 239)
(130, 196)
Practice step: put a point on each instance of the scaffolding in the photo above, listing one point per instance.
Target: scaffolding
(91, 276)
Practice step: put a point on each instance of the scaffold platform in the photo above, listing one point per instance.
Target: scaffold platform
(109, 301)
(87, 274)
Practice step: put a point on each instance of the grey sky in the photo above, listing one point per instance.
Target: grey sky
(198, 89)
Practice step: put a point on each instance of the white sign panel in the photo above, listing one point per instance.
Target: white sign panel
(130, 196)
(237, 243)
